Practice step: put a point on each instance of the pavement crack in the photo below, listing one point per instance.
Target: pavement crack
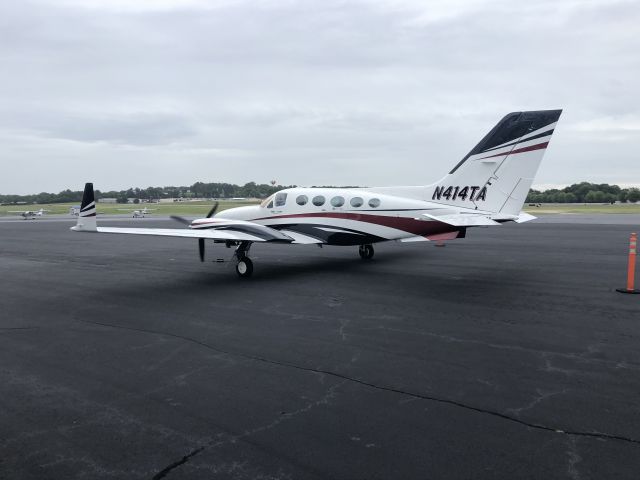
(283, 417)
(441, 400)
(540, 396)
(574, 459)
(344, 323)
(10, 329)
(166, 470)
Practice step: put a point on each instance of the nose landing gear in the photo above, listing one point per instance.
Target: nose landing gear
(366, 252)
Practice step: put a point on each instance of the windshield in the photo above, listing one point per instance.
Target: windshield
(266, 202)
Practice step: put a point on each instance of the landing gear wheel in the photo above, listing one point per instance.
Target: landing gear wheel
(244, 267)
(366, 252)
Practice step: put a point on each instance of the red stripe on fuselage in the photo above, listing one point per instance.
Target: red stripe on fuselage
(409, 225)
(530, 148)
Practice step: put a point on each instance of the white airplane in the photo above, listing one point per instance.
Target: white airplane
(139, 213)
(486, 188)
(29, 214)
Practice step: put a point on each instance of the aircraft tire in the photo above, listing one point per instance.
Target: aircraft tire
(244, 267)
(366, 252)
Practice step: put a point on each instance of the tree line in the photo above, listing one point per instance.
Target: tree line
(583, 192)
(197, 190)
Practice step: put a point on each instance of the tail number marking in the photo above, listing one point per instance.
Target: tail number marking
(473, 194)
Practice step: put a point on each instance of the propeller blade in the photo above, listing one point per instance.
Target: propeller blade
(201, 248)
(213, 210)
(181, 219)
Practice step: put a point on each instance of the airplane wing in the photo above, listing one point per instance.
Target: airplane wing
(242, 232)
(210, 228)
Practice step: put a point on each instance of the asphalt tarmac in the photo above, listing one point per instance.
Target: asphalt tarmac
(507, 354)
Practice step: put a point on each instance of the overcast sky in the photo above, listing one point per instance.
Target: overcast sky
(168, 92)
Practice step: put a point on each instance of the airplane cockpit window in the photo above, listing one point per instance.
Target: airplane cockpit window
(357, 202)
(337, 201)
(281, 199)
(318, 201)
(302, 200)
(267, 202)
(374, 202)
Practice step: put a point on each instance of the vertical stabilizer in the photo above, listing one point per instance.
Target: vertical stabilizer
(497, 173)
(87, 216)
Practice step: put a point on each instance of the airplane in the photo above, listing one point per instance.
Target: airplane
(29, 214)
(488, 187)
(139, 213)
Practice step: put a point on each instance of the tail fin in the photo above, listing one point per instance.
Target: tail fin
(497, 174)
(87, 216)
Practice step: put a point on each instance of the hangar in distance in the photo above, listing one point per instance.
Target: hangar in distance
(486, 188)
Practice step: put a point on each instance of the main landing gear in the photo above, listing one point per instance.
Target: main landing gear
(244, 267)
(366, 252)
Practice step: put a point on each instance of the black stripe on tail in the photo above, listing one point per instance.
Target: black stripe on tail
(511, 128)
(87, 196)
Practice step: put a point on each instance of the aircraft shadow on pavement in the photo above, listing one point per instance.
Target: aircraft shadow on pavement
(478, 285)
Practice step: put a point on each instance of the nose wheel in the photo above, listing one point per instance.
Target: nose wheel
(366, 252)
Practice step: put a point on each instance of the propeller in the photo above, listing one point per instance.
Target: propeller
(186, 221)
(213, 210)
(201, 248)
(182, 220)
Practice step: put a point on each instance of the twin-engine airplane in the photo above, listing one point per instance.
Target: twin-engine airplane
(29, 214)
(486, 188)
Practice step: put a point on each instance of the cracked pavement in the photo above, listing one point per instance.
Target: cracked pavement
(504, 355)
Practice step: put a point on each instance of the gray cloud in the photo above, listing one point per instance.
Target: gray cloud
(308, 92)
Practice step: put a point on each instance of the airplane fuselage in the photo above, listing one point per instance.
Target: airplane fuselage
(343, 216)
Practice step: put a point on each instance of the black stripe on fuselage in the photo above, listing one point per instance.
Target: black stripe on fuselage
(388, 209)
(345, 237)
(251, 230)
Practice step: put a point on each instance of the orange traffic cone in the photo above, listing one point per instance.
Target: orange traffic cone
(631, 268)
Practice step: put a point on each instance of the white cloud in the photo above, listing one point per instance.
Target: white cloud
(333, 92)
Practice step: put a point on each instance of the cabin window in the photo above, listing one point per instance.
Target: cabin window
(318, 201)
(356, 202)
(281, 199)
(302, 200)
(374, 202)
(337, 201)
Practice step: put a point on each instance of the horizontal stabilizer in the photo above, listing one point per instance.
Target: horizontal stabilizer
(520, 218)
(463, 219)
(524, 217)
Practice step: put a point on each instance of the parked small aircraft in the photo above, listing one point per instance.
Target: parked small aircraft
(139, 213)
(486, 188)
(29, 214)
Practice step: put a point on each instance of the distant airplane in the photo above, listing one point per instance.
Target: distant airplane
(29, 214)
(139, 213)
(486, 188)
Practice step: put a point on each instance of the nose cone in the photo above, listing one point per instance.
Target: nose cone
(240, 213)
